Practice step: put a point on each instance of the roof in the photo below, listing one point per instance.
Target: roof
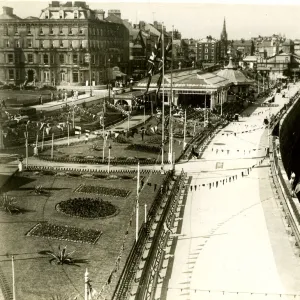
(235, 76)
(129, 95)
(9, 17)
(152, 29)
(250, 58)
(193, 79)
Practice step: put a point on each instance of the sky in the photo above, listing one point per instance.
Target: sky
(199, 18)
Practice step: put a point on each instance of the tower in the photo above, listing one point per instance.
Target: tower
(223, 43)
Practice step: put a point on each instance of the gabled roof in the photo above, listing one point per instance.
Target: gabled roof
(9, 17)
(152, 29)
(193, 79)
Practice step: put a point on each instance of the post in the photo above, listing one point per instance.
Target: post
(103, 136)
(137, 203)
(73, 115)
(43, 138)
(108, 165)
(13, 277)
(194, 128)
(163, 102)
(144, 109)
(52, 145)
(128, 125)
(205, 110)
(37, 140)
(145, 213)
(86, 285)
(263, 82)
(184, 130)
(108, 78)
(151, 107)
(68, 133)
(26, 145)
(1, 137)
(90, 71)
(221, 106)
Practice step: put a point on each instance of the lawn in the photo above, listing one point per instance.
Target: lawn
(122, 147)
(36, 278)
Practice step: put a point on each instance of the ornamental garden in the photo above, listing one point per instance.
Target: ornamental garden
(57, 224)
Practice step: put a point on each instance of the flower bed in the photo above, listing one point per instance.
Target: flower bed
(102, 190)
(67, 233)
(87, 208)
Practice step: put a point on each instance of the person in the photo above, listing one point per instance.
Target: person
(41, 100)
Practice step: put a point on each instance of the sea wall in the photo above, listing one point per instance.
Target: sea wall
(289, 133)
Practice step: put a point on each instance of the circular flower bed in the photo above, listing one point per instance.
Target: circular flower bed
(87, 208)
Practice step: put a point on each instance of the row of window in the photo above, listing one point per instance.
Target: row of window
(52, 30)
(62, 58)
(14, 74)
(62, 44)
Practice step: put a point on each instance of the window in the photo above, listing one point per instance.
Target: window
(30, 58)
(206, 50)
(75, 77)
(46, 59)
(206, 57)
(10, 58)
(61, 58)
(61, 30)
(75, 15)
(52, 44)
(16, 29)
(51, 30)
(62, 76)
(11, 74)
(5, 30)
(206, 45)
(81, 44)
(80, 31)
(17, 43)
(71, 44)
(61, 14)
(70, 30)
(7, 43)
(46, 75)
(29, 43)
(28, 29)
(75, 58)
(52, 58)
(41, 31)
(61, 44)
(41, 44)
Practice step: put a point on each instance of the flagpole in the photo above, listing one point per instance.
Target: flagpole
(13, 277)
(171, 102)
(68, 132)
(43, 138)
(52, 145)
(26, 145)
(103, 135)
(184, 129)
(137, 203)
(163, 101)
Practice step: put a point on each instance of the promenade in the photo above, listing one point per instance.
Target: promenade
(233, 243)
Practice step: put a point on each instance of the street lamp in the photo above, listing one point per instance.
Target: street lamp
(108, 78)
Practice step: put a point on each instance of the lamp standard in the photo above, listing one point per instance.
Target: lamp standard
(108, 78)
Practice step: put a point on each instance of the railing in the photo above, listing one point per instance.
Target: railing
(127, 277)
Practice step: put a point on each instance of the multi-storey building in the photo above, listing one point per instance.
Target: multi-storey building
(208, 50)
(241, 48)
(66, 45)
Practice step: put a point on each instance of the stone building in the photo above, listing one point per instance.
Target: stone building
(208, 50)
(66, 45)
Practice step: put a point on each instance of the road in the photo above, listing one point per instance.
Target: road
(233, 243)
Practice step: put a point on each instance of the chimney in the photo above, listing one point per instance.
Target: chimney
(8, 10)
(100, 13)
(115, 12)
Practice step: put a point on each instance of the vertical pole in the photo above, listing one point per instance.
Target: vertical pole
(145, 213)
(26, 145)
(86, 285)
(43, 138)
(108, 77)
(1, 137)
(103, 136)
(221, 106)
(37, 140)
(171, 102)
(108, 165)
(52, 145)
(128, 125)
(263, 82)
(68, 132)
(13, 277)
(144, 109)
(73, 116)
(184, 130)
(90, 71)
(163, 100)
(205, 110)
(137, 203)
(194, 128)
(151, 106)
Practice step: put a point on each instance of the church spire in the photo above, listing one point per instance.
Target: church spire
(224, 32)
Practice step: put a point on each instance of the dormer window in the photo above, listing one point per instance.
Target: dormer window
(61, 14)
(80, 31)
(51, 30)
(75, 14)
(47, 14)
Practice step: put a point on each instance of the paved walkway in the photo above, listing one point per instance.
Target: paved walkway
(233, 242)
(55, 105)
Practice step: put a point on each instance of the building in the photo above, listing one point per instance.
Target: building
(66, 45)
(241, 48)
(208, 51)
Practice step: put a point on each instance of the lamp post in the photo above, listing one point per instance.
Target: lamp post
(90, 71)
(26, 145)
(108, 78)
(108, 165)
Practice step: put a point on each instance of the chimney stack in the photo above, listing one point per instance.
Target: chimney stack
(8, 10)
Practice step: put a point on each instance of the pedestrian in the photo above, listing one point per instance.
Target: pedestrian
(191, 188)
(57, 97)
(72, 94)
(142, 134)
(51, 97)
(66, 96)
(41, 100)
(195, 187)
